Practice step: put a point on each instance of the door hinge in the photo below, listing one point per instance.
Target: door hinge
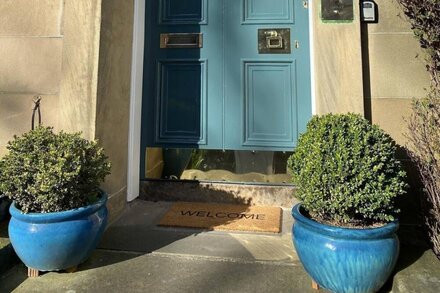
(306, 4)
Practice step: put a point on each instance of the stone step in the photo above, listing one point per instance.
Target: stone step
(221, 192)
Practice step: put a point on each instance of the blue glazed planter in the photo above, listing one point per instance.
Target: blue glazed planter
(345, 260)
(60, 240)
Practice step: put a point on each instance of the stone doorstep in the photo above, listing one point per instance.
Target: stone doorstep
(218, 192)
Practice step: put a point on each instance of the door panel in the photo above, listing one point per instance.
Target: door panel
(266, 11)
(268, 123)
(183, 12)
(180, 101)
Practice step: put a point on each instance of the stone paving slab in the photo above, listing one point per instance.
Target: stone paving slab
(417, 270)
(111, 271)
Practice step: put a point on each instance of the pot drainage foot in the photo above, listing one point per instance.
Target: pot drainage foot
(315, 285)
(33, 273)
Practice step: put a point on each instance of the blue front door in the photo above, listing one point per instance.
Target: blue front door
(208, 84)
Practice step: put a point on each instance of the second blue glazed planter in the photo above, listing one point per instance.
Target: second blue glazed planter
(345, 260)
(60, 240)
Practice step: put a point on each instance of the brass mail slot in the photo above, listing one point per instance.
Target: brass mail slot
(181, 40)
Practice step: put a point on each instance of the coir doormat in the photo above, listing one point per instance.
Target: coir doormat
(223, 217)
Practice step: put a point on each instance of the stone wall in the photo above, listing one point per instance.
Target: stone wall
(31, 49)
(48, 48)
(52, 48)
(395, 74)
(379, 82)
(113, 103)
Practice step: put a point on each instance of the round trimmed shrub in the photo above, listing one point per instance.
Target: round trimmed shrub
(47, 172)
(346, 172)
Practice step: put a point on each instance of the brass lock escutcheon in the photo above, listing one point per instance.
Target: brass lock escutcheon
(274, 41)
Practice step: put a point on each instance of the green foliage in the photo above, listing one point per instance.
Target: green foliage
(424, 136)
(424, 17)
(47, 172)
(346, 172)
(424, 125)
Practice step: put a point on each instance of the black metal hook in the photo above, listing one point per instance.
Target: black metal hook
(37, 102)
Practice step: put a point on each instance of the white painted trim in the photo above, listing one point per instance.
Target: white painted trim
(312, 56)
(134, 132)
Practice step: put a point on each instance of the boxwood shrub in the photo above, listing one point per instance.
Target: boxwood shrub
(346, 172)
(48, 172)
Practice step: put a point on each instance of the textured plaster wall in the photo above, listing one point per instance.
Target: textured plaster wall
(396, 75)
(113, 103)
(338, 64)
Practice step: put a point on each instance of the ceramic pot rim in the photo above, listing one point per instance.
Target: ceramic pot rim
(384, 231)
(58, 216)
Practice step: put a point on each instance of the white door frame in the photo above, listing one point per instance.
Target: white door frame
(137, 73)
(137, 67)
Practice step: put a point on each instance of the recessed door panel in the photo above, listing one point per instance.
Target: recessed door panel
(269, 104)
(181, 97)
(183, 12)
(266, 11)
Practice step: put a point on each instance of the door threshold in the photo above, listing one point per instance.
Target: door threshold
(220, 192)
